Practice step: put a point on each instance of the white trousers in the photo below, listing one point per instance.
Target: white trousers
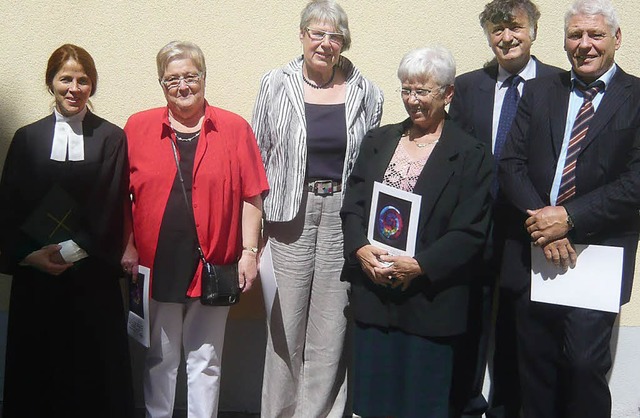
(305, 363)
(200, 331)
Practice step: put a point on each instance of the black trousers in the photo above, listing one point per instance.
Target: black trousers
(490, 336)
(564, 356)
(496, 341)
(505, 399)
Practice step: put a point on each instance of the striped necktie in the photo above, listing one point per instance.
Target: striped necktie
(578, 133)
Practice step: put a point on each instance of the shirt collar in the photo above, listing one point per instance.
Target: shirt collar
(208, 124)
(527, 72)
(604, 78)
(78, 117)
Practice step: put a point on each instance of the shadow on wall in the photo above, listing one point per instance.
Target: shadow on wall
(242, 360)
(615, 334)
(5, 292)
(7, 129)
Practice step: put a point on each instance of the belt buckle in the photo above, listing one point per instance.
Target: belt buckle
(323, 187)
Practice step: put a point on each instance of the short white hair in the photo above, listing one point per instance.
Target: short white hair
(592, 8)
(434, 62)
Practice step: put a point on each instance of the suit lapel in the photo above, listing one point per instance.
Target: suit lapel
(436, 173)
(88, 125)
(615, 95)
(484, 103)
(558, 105)
(386, 149)
(353, 98)
(295, 94)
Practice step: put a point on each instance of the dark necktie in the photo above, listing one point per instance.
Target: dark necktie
(507, 114)
(578, 133)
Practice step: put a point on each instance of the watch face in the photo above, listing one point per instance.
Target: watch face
(570, 222)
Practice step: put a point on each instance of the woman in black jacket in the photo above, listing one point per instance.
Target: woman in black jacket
(409, 308)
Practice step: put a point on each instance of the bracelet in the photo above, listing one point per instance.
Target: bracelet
(253, 250)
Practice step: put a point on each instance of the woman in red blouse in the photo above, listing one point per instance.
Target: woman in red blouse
(224, 180)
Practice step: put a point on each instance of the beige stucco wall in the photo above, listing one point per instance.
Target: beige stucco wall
(241, 40)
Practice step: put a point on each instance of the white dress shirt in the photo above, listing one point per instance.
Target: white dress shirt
(575, 103)
(527, 73)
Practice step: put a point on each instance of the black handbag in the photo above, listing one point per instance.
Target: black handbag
(219, 283)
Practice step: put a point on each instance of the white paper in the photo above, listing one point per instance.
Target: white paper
(594, 283)
(400, 236)
(138, 319)
(268, 280)
(71, 252)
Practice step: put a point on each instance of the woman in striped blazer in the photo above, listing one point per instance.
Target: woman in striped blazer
(309, 119)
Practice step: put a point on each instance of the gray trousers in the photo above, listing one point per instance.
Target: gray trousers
(305, 363)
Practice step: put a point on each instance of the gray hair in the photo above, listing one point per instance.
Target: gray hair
(178, 50)
(330, 12)
(435, 62)
(499, 11)
(592, 8)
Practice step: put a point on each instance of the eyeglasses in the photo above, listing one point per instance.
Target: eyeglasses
(318, 35)
(174, 82)
(406, 93)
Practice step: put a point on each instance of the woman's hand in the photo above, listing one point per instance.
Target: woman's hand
(48, 260)
(403, 270)
(369, 258)
(248, 269)
(251, 233)
(129, 261)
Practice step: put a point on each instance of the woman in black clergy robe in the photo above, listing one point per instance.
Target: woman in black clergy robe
(67, 352)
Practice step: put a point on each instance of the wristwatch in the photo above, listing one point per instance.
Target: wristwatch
(570, 222)
(251, 249)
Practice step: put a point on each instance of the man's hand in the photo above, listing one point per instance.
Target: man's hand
(561, 253)
(547, 224)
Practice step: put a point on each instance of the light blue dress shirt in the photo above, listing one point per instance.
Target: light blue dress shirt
(575, 103)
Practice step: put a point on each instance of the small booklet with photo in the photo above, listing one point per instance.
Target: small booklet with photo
(138, 319)
(393, 221)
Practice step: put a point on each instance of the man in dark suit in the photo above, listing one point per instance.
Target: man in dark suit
(571, 173)
(484, 104)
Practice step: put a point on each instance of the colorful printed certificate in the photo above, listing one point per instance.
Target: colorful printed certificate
(393, 221)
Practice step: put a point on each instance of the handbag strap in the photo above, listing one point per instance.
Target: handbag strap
(189, 210)
(186, 200)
